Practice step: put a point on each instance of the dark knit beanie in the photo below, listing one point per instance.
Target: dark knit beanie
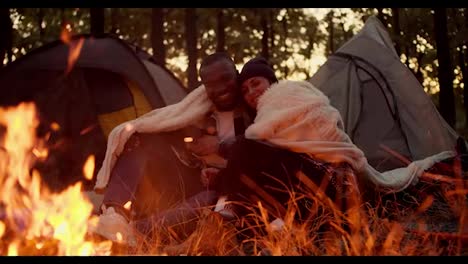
(257, 67)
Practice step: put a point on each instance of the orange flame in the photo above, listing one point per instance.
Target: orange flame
(65, 35)
(88, 169)
(54, 126)
(13, 249)
(32, 212)
(40, 153)
(75, 46)
(128, 205)
(2, 229)
(75, 50)
(188, 139)
(119, 237)
(88, 129)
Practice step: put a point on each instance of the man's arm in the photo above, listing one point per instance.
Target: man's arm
(204, 145)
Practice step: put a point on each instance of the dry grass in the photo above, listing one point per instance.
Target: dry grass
(408, 225)
(404, 225)
(430, 219)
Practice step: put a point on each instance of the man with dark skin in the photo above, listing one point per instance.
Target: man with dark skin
(145, 172)
(219, 76)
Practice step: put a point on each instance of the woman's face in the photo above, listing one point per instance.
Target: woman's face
(253, 88)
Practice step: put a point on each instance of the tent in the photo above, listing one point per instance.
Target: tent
(384, 108)
(110, 82)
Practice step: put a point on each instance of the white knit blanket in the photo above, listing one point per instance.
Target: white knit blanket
(187, 112)
(297, 116)
(292, 115)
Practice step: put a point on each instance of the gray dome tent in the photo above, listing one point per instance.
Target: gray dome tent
(111, 82)
(384, 108)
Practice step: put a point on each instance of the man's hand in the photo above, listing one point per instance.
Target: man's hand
(204, 145)
(208, 175)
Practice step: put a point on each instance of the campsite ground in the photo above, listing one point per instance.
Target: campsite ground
(404, 225)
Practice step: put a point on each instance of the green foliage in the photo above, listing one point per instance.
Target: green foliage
(34, 27)
(294, 35)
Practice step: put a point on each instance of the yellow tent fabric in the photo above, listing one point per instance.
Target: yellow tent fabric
(141, 106)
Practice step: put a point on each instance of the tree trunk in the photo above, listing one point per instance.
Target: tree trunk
(265, 37)
(272, 31)
(407, 53)
(63, 20)
(285, 46)
(464, 70)
(6, 33)
(97, 21)
(114, 16)
(220, 31)
(346, 34)
(157, 36)
(191, 44)
(417, 70)
(396, 29)
(464, 62)
(310, 49)
(404, 42)
(331, 34)
(445, 70)
(380, 16)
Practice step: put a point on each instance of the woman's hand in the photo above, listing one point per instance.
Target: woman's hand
(208, 175)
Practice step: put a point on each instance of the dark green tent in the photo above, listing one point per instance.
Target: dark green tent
(110, 82)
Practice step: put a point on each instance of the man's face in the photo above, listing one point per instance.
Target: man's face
(220, 80)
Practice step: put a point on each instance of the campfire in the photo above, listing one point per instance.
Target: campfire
(33, 220)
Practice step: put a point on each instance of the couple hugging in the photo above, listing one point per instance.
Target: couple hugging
(237, 137)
